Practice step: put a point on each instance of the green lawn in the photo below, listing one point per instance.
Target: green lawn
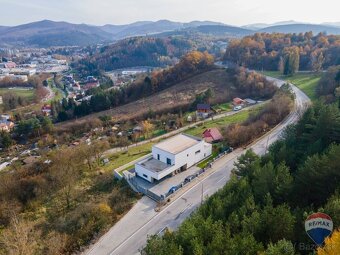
(222, 122)
(121, 158)
(307, 82)
(57, 92)
(223, 107)
(28, 94)
(205, 162)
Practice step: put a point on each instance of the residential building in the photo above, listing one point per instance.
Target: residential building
(8, 64)
(91, 85)
(46, 110)
(6, 125)
(203, 110)
(238, 101)
(249, 101)
(172, 156)
(212, 135)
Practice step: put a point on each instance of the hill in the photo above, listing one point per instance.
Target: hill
(335, 24)
(221, 30)
(301, 28)
(150, 27)
(223, 85)
(48, 33)
(258, 26)
(137, 51)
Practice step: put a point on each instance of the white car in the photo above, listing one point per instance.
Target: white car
(237, 108)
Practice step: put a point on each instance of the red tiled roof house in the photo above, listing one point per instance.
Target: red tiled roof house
(212, 135)
(238, 101)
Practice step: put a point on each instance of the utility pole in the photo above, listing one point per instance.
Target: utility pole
(267, 144)
(202, 194)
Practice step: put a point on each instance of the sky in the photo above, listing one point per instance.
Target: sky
(232, 12)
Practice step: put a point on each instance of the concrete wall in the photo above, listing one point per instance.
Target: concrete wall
(193, 155)
(141, 171)
(163, 155)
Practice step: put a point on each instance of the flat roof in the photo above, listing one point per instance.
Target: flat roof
(154, 165)
(178, 143)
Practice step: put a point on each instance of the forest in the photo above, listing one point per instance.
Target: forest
(262, 209)
(285, 52)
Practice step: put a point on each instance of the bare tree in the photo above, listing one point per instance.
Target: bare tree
(20, 238)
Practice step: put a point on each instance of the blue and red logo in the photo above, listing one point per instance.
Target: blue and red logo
(319, 226)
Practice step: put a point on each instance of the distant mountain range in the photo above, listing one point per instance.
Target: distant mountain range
(302, 28)
(48, 33)
(258, 26)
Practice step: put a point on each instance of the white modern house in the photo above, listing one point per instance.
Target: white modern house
(172, 156)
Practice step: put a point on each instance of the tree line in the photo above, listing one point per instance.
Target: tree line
(262, 209)
(285, 52)
(328, 87)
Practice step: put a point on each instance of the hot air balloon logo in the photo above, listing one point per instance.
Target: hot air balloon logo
(319, 226)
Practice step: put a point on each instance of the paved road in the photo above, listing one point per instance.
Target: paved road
(50, 94)
(129, 235)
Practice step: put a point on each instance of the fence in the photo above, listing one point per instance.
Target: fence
(131, 179)
(200, 172)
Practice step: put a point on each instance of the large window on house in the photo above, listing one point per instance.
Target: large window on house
(168, 161)
(197, 152)
(158, 157)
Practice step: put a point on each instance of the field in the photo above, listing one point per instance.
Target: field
(307, 82)
(25, 93)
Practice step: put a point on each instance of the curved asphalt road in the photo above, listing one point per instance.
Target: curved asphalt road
(129, 235)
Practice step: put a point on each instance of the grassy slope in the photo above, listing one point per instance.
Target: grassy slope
(27, 94)
(307, 82)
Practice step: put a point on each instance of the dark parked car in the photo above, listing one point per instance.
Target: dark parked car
(189, 178)
(173, 189)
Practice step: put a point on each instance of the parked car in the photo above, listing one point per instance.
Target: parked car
(237, 108)
(189, 178)
(173, 189)
(229, 149)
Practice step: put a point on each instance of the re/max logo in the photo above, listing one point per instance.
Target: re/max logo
(319, 223)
